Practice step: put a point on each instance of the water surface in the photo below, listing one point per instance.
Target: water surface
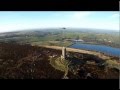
(99, 48)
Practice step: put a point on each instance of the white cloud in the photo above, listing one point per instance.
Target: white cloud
(116, 15)
(81, 15)
(83, 19)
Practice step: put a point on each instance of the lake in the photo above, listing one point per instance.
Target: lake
(99, 48)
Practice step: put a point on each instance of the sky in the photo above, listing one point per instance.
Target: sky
(21, 20)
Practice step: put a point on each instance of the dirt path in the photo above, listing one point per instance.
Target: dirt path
(100, 55)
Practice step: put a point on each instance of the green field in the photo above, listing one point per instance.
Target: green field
(60, 37)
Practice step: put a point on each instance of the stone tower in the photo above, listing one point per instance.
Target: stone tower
(63, 53)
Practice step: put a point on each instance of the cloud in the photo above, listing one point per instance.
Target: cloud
(116, 15)
(81, 15)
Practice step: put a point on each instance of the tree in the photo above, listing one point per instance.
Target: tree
(77, 37)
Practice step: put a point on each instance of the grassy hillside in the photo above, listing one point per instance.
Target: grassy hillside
(32, 62)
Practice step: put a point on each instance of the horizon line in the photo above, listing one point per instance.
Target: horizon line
(18, 30)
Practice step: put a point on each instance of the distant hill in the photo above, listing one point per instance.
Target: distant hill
(96, 36)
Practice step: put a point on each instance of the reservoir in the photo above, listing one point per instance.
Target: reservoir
(99, 48)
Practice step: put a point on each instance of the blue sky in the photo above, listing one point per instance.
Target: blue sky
(21, 20)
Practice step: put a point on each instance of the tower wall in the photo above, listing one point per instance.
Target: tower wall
(64, 52)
